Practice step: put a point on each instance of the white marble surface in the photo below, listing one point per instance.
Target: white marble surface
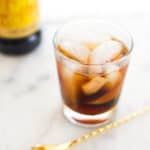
(30, 103)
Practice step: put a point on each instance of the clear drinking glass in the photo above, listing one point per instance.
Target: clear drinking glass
(90, 92)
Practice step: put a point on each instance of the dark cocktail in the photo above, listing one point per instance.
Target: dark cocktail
(91, 64)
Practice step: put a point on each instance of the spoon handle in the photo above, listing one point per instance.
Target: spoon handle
(110, 126)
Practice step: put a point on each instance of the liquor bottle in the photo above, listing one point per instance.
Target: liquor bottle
(19, 26)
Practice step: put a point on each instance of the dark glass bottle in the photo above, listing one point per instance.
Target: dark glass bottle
(19, 26)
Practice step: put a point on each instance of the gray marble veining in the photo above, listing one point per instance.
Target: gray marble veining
(30, 102)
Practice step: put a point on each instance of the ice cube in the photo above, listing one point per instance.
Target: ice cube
(108, 68)
(109, 96)
(75, 50)
(94, 85)
(91, 41)
(67, 84)
(70, 84)
(100, 37)
(95, 69)
(91, 45)
(105, 52)
(113, 79)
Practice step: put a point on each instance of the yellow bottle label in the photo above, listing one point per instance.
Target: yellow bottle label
(18, 18)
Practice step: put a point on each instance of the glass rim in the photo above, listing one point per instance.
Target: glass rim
(54, 41)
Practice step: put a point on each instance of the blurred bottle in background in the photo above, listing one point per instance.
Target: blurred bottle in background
(19, 26)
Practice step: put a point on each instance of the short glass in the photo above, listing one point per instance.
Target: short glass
(90, 92)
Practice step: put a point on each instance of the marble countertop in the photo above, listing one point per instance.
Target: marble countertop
(30, 103)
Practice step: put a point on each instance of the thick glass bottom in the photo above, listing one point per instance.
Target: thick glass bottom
(89, 120)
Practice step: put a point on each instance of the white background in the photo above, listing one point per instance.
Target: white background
(58, 9)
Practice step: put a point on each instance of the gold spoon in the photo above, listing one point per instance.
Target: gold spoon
(68, 145)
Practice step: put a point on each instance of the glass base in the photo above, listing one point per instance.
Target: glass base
(89, 120)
